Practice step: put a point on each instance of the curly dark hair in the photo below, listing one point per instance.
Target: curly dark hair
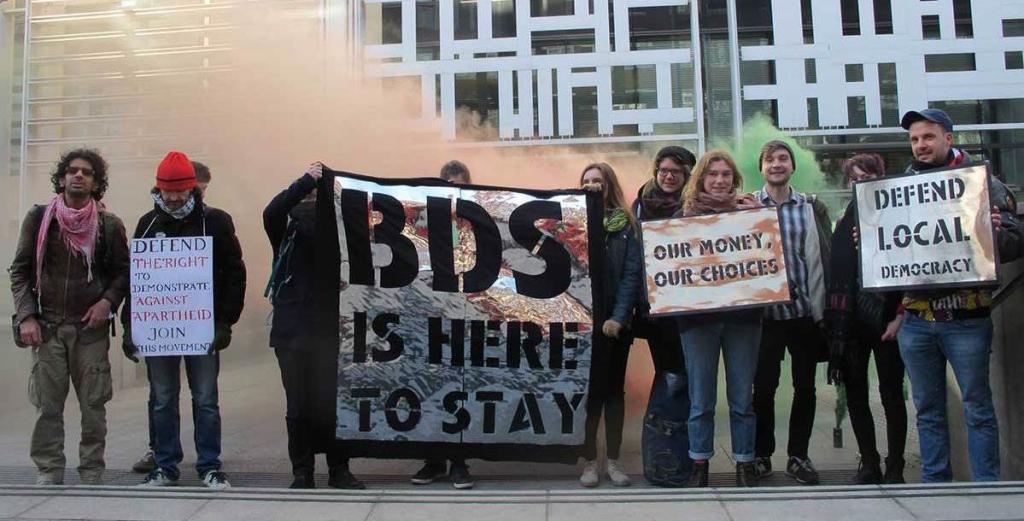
(870, 163)
(99, 170)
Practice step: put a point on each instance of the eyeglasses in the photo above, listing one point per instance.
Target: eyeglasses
(677, 172)
(74, 170)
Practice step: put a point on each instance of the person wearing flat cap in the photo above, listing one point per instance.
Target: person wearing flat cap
(953, 326)
(178, 211)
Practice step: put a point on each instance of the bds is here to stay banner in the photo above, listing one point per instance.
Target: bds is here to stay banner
(465, 317)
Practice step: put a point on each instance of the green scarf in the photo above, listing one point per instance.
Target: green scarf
(615, 220)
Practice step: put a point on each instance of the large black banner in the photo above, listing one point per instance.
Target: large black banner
(462, 316)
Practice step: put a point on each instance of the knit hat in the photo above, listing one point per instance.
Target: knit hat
(680, 155)
(773, 145)
(175, 173)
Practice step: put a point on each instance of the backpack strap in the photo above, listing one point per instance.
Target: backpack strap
(283, 255)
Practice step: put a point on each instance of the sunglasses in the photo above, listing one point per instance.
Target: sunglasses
(74, 170)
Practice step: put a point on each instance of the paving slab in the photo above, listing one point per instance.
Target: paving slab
(462, 512)
(11, 506)
(248, 510)
(639, 511)
(964, 507)
(115, 508)
(809, 509)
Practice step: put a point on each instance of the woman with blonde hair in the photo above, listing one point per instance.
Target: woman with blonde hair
(714, 187)
(622, 286)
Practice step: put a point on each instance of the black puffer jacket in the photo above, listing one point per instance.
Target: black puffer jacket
(290, 224)
(228, 267)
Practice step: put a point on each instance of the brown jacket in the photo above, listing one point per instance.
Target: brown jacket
(65, 291)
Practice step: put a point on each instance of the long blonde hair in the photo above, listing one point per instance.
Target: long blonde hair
(612, 190)
(696, 183)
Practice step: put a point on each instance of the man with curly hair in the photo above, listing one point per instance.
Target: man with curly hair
(70, 272)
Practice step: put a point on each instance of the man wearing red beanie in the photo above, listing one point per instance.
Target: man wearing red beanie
(179, 212)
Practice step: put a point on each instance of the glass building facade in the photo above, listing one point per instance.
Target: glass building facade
(635, 73)
(622, 75)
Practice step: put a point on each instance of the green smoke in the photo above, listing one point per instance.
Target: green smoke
(756, 132)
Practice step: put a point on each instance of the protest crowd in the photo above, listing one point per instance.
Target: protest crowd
(76, 273)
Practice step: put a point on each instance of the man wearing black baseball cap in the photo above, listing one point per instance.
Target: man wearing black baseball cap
(953, 326)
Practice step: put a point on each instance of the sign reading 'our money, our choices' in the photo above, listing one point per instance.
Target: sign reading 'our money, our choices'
(927, 230)
(465, 314)
(720, 261)
(172, 295)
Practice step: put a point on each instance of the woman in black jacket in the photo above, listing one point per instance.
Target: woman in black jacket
(660, 198)
(622, 283)
(289, 220)
(860, 324)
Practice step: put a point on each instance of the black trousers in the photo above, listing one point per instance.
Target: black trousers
(666, 347)
(608, 397)
(804, 341)
(890, 387)
(307, 429)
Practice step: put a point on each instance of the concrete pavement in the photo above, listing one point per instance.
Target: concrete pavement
(910, 502)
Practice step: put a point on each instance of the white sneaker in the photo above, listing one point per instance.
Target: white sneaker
(616, 475)
(590, 477)
(158, 478)
(216, 480)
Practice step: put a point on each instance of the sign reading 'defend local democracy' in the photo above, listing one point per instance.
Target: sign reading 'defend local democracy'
(466, 313)
(712, 262)
(172, 295)
(932, 229)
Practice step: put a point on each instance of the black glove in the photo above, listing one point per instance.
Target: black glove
(221, 338)
(836, 351)
(128, 347)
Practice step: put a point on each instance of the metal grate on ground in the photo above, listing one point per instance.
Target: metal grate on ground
(127, 478)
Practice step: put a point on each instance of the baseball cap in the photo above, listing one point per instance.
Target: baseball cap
(934, 115)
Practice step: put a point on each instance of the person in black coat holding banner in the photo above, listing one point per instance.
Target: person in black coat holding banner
(290, 220)
(660, 198)
(860, 323)
(622, 282)
(179, 212)
(455, 172)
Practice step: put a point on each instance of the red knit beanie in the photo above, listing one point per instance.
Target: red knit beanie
(175, 173)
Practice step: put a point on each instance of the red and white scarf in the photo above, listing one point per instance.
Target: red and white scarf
(78, 228)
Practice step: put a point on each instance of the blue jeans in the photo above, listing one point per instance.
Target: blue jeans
(165, 386)
(966, 345)
(739, 341)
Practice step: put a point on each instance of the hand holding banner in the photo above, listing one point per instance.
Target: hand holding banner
(715, 262)
(927, 230)
(172, 295)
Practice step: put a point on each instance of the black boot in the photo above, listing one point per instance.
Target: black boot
(894, 471)
(341, 477)
(303, 480)
(699, 478)
(746, 475)
(868, 473)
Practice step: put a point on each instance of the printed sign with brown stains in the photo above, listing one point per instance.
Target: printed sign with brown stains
(927, 230)
(715, 262)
